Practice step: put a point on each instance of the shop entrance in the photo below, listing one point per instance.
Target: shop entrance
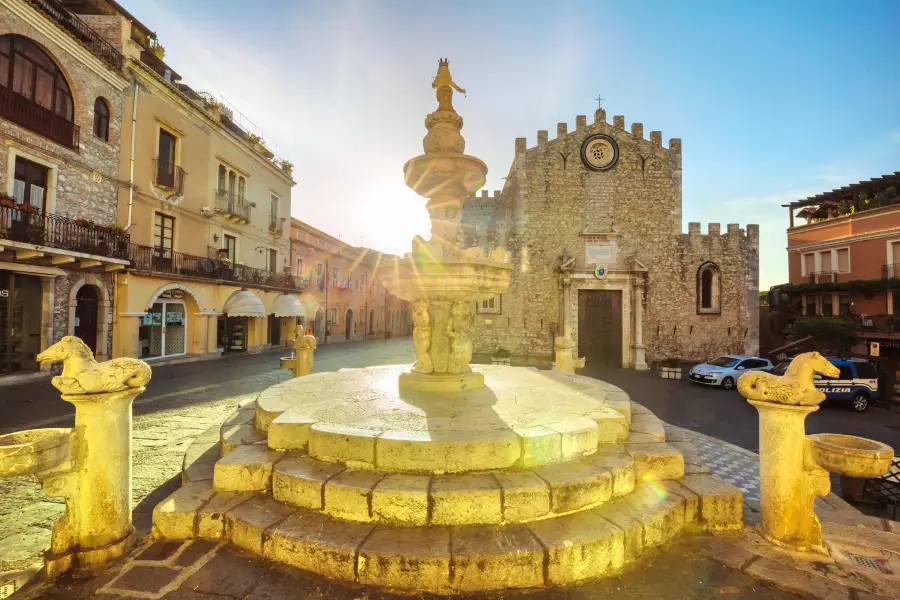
(163, 330)
(274, 330)
(232, 333)
(20, 322)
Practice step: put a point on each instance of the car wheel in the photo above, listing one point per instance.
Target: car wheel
(860, 402)
(728, 383)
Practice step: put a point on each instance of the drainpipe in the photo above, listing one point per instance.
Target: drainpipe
(327, 308)
(134, 108)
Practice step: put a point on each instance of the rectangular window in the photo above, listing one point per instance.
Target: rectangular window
(844, 300)
(825, 261)
(490, 305)
(273, 215)
(163, 232)
(334, 277)
(273, 261)
(895, 251)
(334, 315)
(843, 260)
(810, 305)
(299, 267)
(231, 246)
(242, 185)
(827, 305)
(30, 183)
(223, 173)
(809, 263)
(165, 167)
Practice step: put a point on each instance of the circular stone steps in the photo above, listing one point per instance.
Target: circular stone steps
(509, 496)
(586, 503)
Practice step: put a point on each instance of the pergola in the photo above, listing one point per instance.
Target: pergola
(818, 205)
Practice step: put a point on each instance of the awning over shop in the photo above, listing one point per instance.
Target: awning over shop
(244, 304)
(288, 306)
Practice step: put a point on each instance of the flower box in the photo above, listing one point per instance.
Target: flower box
(7, 202)
(670, 372)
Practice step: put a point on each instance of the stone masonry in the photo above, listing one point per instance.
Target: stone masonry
(553, 205)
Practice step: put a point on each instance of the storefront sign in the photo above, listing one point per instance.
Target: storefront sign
(4, 293)
(172, 295)
(173, 318)
(874, 349)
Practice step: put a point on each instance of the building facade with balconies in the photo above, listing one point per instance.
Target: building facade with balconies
(344, 299)
(204, 202)
(845, 260)
(62, 92)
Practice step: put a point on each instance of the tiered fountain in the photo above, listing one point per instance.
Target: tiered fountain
(439, 477)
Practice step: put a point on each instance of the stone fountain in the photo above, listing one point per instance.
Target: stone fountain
(440, 477)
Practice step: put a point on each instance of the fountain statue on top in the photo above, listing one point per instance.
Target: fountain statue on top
(439, 277)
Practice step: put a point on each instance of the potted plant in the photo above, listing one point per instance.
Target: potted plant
(4, 233)
(84, 223)
(670, 368)
(36, 234)
(500, 356)
(287, 166)
(28, 208)
(7, 201)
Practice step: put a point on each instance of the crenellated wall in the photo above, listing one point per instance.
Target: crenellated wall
(553, 204)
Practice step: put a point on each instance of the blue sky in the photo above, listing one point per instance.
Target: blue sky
(774, 101)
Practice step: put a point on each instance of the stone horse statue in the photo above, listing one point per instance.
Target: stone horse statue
(796, 386)
(82, 374)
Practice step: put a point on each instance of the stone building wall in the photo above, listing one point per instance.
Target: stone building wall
(62, 301)
(87, 180)
(551, 200)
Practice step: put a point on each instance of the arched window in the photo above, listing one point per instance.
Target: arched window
(28, 71)
(709, 289)
(101, 119)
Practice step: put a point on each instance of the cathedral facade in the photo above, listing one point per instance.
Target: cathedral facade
(592, 224)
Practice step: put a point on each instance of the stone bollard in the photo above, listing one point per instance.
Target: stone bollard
(303, 361)
(794, 467)
(566, 361)
(90, 465)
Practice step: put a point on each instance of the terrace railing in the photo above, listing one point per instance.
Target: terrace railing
(31, 225)
(168, 175)
(33, 116)
(162, 260)
(891, 271)
(99, 47)
(823, 277)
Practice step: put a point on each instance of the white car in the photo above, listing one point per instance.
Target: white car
(725, 370)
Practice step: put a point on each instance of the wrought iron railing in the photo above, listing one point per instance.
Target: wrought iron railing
(276, 224)
(891, 271)
(81, 31)
(31, 225)
(168, 175)
(31, 115)
(162, 260)
(232, 204)
(823, 277)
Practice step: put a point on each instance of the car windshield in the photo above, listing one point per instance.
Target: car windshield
(724, 361)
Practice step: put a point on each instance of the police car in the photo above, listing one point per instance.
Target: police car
(857, 383)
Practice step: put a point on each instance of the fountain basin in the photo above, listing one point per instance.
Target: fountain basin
(467, 281)
(33, 451)
(850, 455)
(445, 174)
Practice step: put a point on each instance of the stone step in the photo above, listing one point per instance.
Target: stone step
(558, 550)
(406, 499)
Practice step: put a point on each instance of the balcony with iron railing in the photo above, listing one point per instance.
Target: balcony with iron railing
(276, 225)
(169, 176)
(81, 31)
(232, 206)
(891, 271)
(31, 115)
(168, 262)
(28, 224)
(823, 277)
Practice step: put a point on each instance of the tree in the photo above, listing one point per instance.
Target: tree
(830, 334)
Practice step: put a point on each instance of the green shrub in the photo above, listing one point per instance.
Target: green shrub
(501, 352)
(829, 334)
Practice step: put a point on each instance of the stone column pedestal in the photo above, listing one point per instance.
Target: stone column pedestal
(786, 489)
(96, 526)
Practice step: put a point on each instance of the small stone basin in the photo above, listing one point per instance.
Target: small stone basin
(850, 455)
(33, 451)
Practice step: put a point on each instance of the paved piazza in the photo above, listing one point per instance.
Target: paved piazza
(184, 400)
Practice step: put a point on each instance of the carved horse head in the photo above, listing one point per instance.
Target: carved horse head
(805, 365)
(68, 347)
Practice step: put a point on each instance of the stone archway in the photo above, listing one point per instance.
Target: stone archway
(98, 296)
